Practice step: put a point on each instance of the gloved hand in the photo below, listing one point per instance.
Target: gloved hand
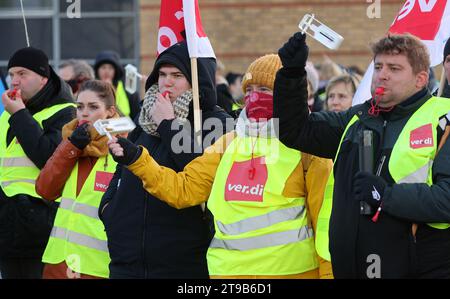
(80, 136)
(294, 52)
(131, 152)
(369, 188)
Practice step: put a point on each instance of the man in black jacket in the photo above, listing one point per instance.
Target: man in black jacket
(38, 104)
(146, 237)
(382, 218)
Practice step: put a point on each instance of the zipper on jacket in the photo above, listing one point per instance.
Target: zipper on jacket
(383, 158)
(380, 166)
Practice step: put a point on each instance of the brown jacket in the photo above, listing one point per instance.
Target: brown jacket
(58, 168)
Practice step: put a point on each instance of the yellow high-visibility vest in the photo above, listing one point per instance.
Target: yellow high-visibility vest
(78, 236)
(262, 232)
(18, 173)
(122, 101)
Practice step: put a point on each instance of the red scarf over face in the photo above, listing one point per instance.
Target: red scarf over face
(259, 105)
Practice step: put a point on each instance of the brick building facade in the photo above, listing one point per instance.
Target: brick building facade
(242, 30)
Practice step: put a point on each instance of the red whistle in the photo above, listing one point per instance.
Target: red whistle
(251, 173)
(12, 94)
(165, 93)
(379, 91)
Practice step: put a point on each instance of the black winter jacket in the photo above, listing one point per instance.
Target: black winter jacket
(354, 237)
(146, 237)
(25, 221)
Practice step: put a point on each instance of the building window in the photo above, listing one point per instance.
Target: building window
(104, 25)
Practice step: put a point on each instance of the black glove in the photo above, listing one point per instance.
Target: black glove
(131, 152)
(294, 52)
(369, 188)
(80, 136)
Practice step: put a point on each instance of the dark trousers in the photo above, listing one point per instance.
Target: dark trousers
(433, 252)
(21, 268)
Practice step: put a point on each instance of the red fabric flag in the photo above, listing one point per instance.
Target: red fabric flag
(429, 20)
(179, 19)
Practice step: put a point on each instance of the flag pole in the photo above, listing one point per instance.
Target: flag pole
(197, 114)
(196, 99)
(442, 83)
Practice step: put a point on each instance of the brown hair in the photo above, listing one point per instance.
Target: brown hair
(104, 90)
(404, 44)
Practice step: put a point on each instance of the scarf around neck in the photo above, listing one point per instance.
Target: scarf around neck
(247, 128)
(180, 107)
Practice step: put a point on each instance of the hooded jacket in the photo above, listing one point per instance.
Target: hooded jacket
(25, 221)
(113, 58)
(146, 237)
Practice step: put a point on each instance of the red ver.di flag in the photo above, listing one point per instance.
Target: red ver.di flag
(429, 20)
(180, 18)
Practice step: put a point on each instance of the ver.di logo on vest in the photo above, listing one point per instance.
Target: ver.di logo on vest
(243, 186)
(421, 137)
(102, 180)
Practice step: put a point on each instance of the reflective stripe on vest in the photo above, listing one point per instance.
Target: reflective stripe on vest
(257, 222)
(78, 232)
(18, 162)
(420, 175)
(76, 207)
(123, 103)
(269, 235)
(7, 183)
(264, 241)
(80, 239)
(323, 220)
(17, 172)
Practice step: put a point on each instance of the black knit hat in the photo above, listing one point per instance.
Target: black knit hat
(32, 59)
(447, 49)
(176, 55)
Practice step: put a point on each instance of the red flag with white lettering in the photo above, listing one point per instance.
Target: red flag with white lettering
(429, 20)
(179, 19)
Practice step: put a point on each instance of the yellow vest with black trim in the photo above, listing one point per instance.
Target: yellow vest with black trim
(78, 236)
(268, 237)
(18, 173)
(122, 100)
(406, 165)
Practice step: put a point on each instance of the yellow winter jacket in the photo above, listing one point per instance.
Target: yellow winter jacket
(193, 185)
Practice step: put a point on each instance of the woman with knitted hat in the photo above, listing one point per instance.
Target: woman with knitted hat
(79, 172)
(265, 197)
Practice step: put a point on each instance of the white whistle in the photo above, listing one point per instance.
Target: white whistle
(131, 78)
(320, 32)
(114, 126)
